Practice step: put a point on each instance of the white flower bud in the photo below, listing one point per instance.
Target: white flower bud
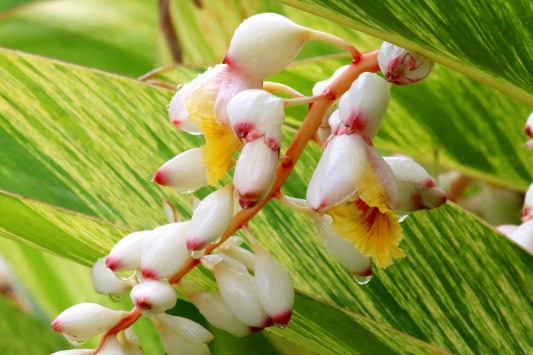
(86, 320)
(231, 247)
(417, 189)
(213, 307)
(363, 106)
(211, 218)
(105, 281)
(265, 44)
(255, 172)
(239, 293)
(152, 297)
(527, 209)
(341, 249)
(185, 328)
(177, 111)
(126, 254)
(324, 130)
(212, 260)
(75, 352)
(256, 113)
(274, 287)
(320, 86)
(523, 235)
(186, 172)
(111, 346)
(175, 345)
(165, 252)
(402, 67)
(130, 343)
(506, 229)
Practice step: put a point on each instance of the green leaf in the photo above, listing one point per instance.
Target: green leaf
(488, 41)
(118, 36)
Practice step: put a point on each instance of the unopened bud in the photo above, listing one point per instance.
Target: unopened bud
(177, 111)
(111, 346)
(402, 67)
(186, 328)
(239, 293)
(126, 254)
(265, 44)
(274, 287)
(255, 171)
(256, 113)
(211, 218)
(186, 172)
(341, 249)
(523, 235)
(75, 352)
(363, 106)
(130, 343)
(86, 320)
(417, 189)
(165, 251)
(231, 247)
(105, 281)
(175, 345)
(527, 209)
(152, 297)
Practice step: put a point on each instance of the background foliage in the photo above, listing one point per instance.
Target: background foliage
(79, 146)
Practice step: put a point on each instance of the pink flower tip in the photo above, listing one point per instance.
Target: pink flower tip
(246, 203)
(283, 318)
(194, 244)
(149, 274)
(56, 324)
(112, 262)
(366, 272)
(159, 178)
(143, 303)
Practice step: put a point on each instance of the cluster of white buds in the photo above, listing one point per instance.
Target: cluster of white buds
(353, 185)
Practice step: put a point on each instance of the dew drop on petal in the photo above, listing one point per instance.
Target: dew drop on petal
(402, 218)
(196, 254)
(362, 280)
(74, 341)
(281, 326)
(115, 298)
(125, 275)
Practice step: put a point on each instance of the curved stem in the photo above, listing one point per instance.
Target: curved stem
(123, 324)
(336, 41)
(273, 87)
(307, 99)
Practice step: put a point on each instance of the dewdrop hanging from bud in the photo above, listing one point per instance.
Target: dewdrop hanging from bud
(86, 320)
(165, 252)
(402, 67)
(363, 106)
(185, 172)
(152, 297)
(211, 218)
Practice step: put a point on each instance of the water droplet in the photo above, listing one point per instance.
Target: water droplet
(74, 341)
(196, 254)
(362, 280)
(402, 218)
(125, 275)
(281, 326)
(115, 298)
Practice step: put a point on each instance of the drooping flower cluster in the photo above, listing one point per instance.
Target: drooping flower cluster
(353, 197)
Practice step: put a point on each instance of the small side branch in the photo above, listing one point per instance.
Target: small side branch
(169, 31)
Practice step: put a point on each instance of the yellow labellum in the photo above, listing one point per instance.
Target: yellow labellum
(220, 141)
(374, 233)
(371, 190)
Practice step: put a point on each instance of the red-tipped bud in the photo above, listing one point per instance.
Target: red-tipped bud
(186, 172)
(153, 297)
(402, 67)
(126, 254)
(105, 281)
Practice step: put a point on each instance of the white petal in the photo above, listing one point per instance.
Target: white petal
(274, 287)
(402, 67)
(265, 44)
(111, 346)
(165, 252)
(385, 177)
(86, 320)
(175, 345)
(177, 112)
(186, 328)
(105, 281)
(126, 254)
(364, 105)
(333, 179)
(341, 249)
(186, 172)
(75, 352)
(239, 293)
(232, 249)
(130, 343)
(152, 297)
(211, 218)
(523, 235)
(256, 113)
(507, 229)
(212, 260)
(255, 171)
(213, 307)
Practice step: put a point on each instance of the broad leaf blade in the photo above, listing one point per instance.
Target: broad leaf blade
(459, 34)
